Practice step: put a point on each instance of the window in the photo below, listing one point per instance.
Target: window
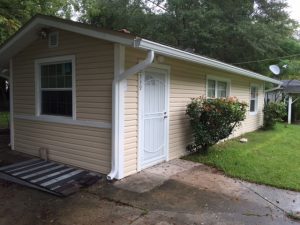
(56, 88)
(53, 40)
(253, 99)
(217, 88)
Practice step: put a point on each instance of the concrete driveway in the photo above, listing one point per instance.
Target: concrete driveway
(182, 192)
(177, 192)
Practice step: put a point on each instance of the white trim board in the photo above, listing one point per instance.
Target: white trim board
(37, 77)
(66, 120)
(28, 34)
(254, 113)
(187, 56)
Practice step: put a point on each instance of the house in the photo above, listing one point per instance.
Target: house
(289, 90)
(109, 101)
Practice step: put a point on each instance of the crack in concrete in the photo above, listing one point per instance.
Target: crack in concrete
(264, 198)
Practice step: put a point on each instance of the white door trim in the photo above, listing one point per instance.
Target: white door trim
(140, 112)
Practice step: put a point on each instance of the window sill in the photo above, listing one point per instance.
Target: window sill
(65, 120)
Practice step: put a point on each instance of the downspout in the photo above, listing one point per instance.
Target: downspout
(116, 107)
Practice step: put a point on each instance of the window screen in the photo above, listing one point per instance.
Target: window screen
(253, 99)
(217, 89)
(56, 89)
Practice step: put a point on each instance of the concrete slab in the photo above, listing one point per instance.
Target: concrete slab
(289, 201)
(140, 182)
(192, 193)
(155, 176)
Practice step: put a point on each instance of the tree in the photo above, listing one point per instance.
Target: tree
(231, 31)
(14, 13)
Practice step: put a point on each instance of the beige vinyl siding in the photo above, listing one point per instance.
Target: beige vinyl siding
(84, 147)
(187, 80)
(132, 57)
(89, 148)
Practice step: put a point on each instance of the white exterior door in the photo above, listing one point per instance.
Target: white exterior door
(153, 116)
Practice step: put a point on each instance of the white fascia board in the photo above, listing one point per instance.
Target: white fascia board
(84, 31)
(183, 55)
(11, 46)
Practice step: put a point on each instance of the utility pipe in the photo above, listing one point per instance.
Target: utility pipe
(116, 108)
(290, 110)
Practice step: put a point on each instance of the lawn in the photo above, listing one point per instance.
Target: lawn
(269, 157)
(4, 119)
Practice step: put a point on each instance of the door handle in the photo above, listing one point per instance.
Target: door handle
(165, 117)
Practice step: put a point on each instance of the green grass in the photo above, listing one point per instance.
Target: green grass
(4, 119)
(269, 157)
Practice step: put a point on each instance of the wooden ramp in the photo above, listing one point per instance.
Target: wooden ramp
(51, 177)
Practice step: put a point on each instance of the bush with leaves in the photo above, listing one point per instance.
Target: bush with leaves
(213, 120)
(273, 112)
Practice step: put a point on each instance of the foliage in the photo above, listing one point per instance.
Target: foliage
(4, 120)
(213, 120)
(237, 32)
(231, 31)
(273, 112)
(268, 158)
(14, 13)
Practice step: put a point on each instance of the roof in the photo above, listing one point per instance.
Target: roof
(28, 33)
(291, 86)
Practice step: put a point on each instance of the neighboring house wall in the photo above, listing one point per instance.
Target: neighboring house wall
(187, 80)
(86, 147)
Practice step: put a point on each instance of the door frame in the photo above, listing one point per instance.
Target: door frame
(140, 113)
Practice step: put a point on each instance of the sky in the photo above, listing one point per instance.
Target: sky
(294, 9)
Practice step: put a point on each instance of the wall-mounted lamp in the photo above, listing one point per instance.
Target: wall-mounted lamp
(43, 33)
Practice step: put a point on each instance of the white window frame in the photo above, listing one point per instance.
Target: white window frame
(53, 60)
(216, 79)
(256, 99)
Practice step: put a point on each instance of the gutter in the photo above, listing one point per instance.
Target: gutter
(115, 169)
(279, 87)
(187, 56)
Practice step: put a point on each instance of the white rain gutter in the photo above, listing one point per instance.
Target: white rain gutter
(183, 55)
(116, 108)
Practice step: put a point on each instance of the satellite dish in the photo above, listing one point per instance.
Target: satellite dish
(275, 69)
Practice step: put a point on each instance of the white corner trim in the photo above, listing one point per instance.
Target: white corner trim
(11, 105)
(183, 55)
(64, 120)
(37, 75)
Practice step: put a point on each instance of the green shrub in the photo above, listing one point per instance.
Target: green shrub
(273, 112)
(213, 120)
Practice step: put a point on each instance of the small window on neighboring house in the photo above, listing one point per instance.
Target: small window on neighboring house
(253, 99)
(56, 89)
(53, 40)
(217, 88)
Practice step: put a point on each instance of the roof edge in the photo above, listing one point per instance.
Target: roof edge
(183, 55)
